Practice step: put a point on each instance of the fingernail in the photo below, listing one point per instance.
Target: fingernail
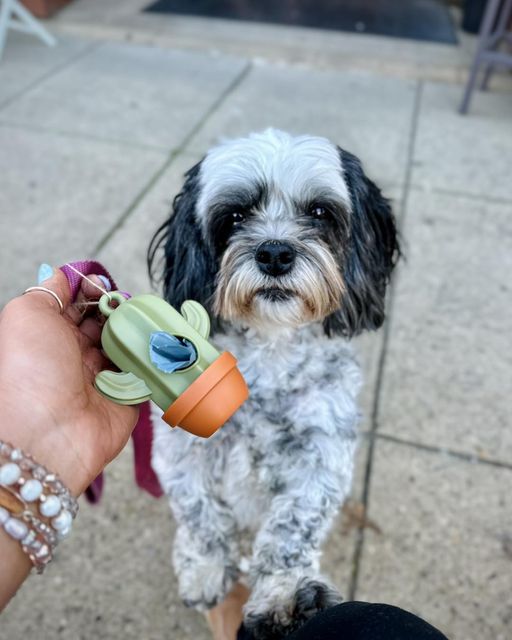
(106, 282)
(45, 272)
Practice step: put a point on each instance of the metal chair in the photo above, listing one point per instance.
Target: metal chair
(493, 33)
(13, 15)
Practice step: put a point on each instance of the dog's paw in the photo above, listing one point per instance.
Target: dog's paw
(272, 614)
(203, 586)
(311, 597)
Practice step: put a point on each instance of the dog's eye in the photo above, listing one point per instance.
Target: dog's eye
(237, 217)
(317, 211)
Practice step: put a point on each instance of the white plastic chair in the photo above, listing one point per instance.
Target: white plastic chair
(13, 15)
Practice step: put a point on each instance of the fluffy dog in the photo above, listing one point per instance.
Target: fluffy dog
(290, 247)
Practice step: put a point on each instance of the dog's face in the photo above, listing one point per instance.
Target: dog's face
(278, 230)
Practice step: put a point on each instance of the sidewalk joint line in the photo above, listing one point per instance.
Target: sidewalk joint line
(82, 136)
(356, 561)
(462, 194)
(460, 455)
(232, 86)
(51, 72)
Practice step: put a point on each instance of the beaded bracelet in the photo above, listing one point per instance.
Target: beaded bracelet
(27, 491)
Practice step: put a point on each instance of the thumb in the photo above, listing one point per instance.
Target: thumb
(56, 282)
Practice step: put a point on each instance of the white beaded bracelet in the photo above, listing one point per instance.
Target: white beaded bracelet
(48, 497)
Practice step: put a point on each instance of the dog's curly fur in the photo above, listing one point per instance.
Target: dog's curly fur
(282, 466)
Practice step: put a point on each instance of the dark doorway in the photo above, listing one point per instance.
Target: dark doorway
(417, 19)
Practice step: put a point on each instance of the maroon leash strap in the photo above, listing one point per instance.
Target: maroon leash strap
(142, 435)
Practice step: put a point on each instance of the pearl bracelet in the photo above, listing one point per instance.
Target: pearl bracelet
(28, 491)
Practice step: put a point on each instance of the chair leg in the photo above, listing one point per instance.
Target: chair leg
(485, 31)
(34, 25)
(470, 85)
(500, 30)
(485, 80)
(5, 12)
(504, 19)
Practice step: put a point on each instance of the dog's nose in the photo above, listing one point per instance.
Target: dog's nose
(274, 257)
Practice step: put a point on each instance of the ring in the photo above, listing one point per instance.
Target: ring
(52, 293)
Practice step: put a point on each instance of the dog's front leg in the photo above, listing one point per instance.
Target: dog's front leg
(205, 562)
(287, 588)
(205, 550)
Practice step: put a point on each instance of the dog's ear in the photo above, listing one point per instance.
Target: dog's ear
(189, 267)
(370, 254)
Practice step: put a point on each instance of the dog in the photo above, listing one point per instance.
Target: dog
(290, 247)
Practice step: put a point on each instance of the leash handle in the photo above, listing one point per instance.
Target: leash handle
(85, 268)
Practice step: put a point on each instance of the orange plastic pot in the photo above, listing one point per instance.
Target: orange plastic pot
(210, 400)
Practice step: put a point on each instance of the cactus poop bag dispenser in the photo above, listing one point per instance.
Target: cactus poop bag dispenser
(165, 356)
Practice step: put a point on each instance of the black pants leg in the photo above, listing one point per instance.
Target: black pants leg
(362, 621)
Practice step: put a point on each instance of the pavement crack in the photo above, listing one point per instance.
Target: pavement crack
(216, 104)
(51, 72)
(6, 123)
(460, 455)
(484, 198)
(400, 218)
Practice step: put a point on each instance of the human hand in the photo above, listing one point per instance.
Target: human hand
(48, 362)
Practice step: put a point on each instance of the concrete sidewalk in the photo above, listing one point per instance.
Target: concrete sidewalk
(95, 136)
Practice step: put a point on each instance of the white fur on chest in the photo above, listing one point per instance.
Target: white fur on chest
(302, 403)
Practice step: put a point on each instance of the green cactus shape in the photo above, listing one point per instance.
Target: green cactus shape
(197, 317)
(126, 341)
(123, 388)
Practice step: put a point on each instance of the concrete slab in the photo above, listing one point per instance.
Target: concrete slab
(366, 114)
(59, 196)
(125, 252)
(444, 552)
(469, 154)
(447, 378)
(26, 61)
(119, 92)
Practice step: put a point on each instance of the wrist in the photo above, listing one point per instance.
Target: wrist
(49, 443)
(56, 454)
(36, 509)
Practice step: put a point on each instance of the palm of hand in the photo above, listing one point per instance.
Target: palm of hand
(47, 369)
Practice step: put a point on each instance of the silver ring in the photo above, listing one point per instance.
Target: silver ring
(52, 293)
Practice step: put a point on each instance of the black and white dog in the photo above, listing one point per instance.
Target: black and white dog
(290, 247)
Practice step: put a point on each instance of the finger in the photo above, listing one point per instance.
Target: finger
(123, 419)
(95, 361)
(57, 283)
(76, 313)
(91, 290)
(82, 306)
(91, 331)
(95, 286)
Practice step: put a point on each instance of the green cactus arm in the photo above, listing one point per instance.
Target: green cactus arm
(197, 317)
(123, 388)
